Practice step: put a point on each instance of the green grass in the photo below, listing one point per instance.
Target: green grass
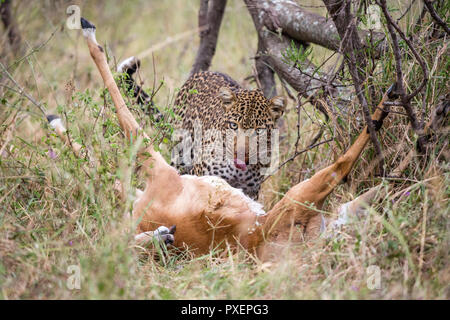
(59, 212)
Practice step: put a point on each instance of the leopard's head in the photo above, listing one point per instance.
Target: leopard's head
(249, 121)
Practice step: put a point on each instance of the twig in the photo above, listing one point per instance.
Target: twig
(419, 59)
(22, 91)
(436, 17)
(35, 49)
(400, 89)
(297, 154)
(350, 45)
(169, 40)
(406, 11)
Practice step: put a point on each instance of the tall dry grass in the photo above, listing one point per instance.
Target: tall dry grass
(56, 211)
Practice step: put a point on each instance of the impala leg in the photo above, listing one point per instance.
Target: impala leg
(299, 204)
(163, 235)
(159, 172)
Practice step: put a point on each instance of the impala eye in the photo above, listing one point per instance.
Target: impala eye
(232, 125)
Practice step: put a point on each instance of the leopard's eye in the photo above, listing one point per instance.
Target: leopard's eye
(232, 125)
(259, 130)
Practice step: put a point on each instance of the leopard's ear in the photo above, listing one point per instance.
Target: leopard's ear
(227, 96)
(277, 106)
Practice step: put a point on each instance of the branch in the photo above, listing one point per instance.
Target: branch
(340, 12)
(210, 15)
(304, 77)
(411, 47)
(296, 154)
(435, 16)
(400, 88)
(433, 129)
(21, 91)
(309, 27)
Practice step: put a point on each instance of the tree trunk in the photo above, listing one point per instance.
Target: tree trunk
(209, 21)
(266, 75)
(10, 26)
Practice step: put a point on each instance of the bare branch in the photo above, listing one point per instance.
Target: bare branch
(296, 154)
(400, 88)
(21, 91)
(340, 12)
(419, 59)
(436, 17)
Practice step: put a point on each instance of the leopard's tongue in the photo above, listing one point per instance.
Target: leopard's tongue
(240, 164)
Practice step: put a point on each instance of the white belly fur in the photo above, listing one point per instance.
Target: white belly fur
(220, 183)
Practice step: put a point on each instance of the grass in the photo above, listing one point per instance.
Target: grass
(56, 211)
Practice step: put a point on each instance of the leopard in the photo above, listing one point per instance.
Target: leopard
(221, 129)
(227, 130)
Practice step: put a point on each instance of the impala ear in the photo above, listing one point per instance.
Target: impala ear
(277, 106)
(227, 96)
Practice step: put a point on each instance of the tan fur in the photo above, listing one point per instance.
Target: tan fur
(207, 216)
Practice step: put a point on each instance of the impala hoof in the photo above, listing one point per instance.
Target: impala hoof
(86, 24)
(165, 235)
